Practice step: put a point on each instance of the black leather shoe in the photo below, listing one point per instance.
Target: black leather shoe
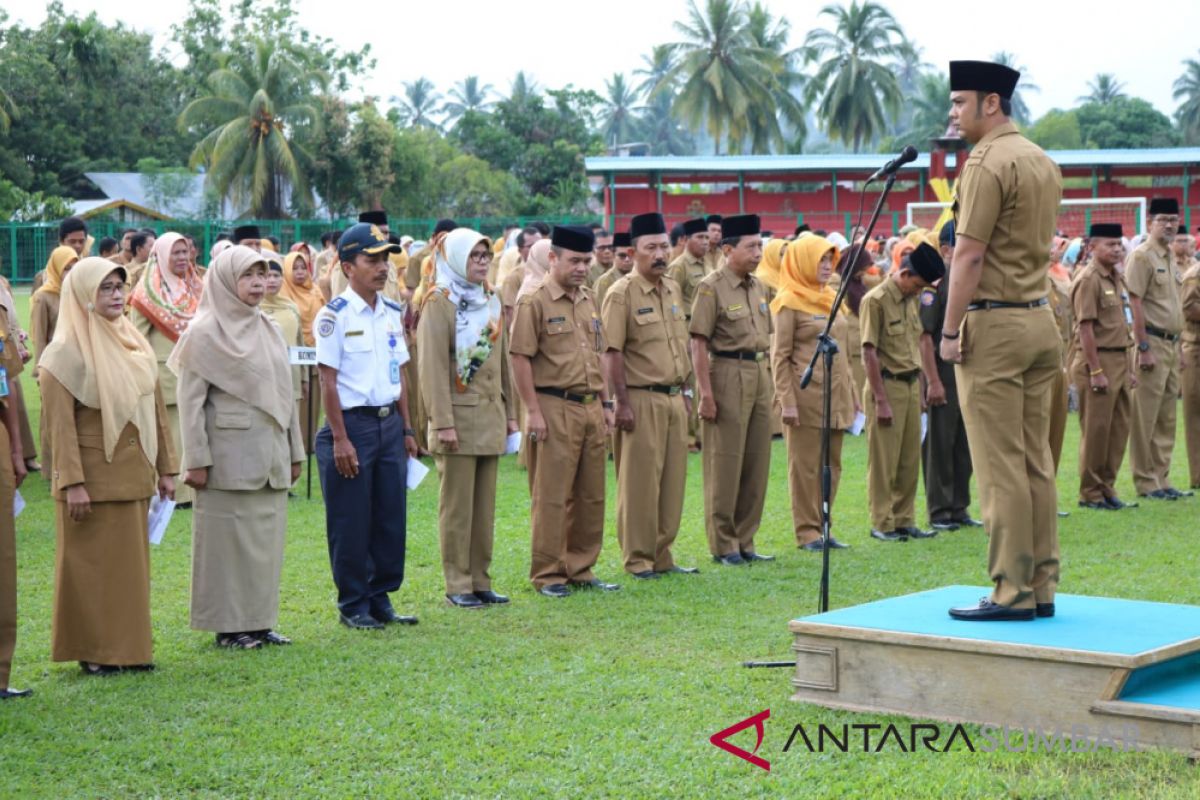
(467, 600)
(647, 575)
(273, 638)
(1116, 503)
(913, 532)
(968, 522)
(1158, 494)
(731, 560)
(815, 546)
(944, 525)
(987, 611)
(388, 616)
(558, 590)
(756, 557)
(1096, 505)
(361, 622)
(888, 536)
(1044, 610)
(1175, 493)
(490, 598)
(678, 570)
(596, 583)
(9, 694)
(1064, 514)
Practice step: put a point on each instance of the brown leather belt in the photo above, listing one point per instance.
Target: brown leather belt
(565, 395)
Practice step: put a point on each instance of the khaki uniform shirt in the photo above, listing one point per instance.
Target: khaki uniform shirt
(562, 337)
(732, 313)
(1152, 275)
(1100, 298)
(688, 272)
(1191, 304)
(1007, 198)
(713, 260)
(891, 323)
(604, 283)
(645, 322)
(594, 272)
(511, 286)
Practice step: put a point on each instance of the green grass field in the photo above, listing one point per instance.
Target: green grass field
(605, 695)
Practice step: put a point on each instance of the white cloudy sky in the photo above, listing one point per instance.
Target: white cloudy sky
(1063, 43)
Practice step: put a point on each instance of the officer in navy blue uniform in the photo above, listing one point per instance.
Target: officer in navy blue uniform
(363, 449)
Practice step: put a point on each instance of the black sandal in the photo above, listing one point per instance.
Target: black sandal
(238, 641)
(271, 637)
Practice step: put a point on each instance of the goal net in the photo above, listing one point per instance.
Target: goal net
(1075, 215)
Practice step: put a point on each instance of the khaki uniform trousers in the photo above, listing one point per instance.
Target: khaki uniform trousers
(1103, 425)
(416, 405)
(466, 518)
(28, 445)
(946, 456)
(8, 562)
(1152, 435)
(736, 453)
(1012, 357)
(1189, 376)
(1058, 416)
(566, 484)
(804, 477)
(652, 472)
(311, 423)
(894, 456)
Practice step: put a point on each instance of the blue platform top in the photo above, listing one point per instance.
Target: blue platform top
(1174, 683)
(1092, 624)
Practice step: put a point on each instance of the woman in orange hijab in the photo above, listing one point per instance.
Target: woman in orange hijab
(301, 289)
(801, 310)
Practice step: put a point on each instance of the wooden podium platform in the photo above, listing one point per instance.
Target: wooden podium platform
(1100, 663)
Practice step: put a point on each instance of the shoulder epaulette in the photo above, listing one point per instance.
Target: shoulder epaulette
(392, 304)
(336, 304)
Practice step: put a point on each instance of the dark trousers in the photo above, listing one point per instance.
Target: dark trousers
(946, 456)
(365, 516)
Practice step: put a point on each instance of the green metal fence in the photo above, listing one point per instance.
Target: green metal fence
(25, 246)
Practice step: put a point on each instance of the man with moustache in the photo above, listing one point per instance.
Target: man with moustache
(602, 259)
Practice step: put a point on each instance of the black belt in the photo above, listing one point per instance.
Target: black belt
(1161, 334)
(370, 411)
(671, 390)
(988, 305)
(1112, 349)
(740, 355)
(907, 377)
(565, 395)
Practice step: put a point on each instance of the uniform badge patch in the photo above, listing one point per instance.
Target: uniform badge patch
(927, 298)
(325, 327)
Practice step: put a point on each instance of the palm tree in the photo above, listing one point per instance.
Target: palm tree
(1104, 89)
(257, 113)
(466, 96)
(930, 109)
(87, 52)
(1187, 90)
(419, 103)
(523, 89)
(771, 35)
(654, 71)
(662, 129)
(1020, 111)
(617, 120)
(8, 111)
(855, 89)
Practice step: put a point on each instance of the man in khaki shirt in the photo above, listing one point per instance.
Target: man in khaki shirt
(556, 345)
(891, 330)
(691, 267)
(602, 261)
(731, 339)
(1153, 279)
(622, 264)
(1189, 371)
(714, 258)
(647, 364)
(1100, 370)
(1000, 331)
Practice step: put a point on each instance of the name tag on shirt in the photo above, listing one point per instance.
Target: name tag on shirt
(302, 356)
(555, 320)
(735, 307)
(353, 333)
(394, 371)
(646, 310)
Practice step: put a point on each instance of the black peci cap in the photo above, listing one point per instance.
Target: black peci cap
(741, 225)
(983, 76)
(1105, 230)
(713, 218)
(647, 225)
(243, 232)
(621, 239)
(927, 262)
(373, 217)
(1164, 205)
(576, 238)
(692, 226)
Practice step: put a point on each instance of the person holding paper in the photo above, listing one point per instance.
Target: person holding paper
(242, 450)
(801, 309)
(284, 313)
(465, 383)
(112, 450)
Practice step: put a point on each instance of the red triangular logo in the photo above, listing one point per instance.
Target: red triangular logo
(720, 739)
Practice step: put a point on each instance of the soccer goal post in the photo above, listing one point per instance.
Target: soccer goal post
(1075, 215)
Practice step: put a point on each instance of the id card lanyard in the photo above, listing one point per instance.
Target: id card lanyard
(394, 363)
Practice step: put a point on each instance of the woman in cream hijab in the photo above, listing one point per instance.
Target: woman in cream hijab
(801, 310)
(242, 450)
(466, 387)
(112, 451)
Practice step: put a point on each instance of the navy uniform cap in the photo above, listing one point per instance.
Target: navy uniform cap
(364, 238)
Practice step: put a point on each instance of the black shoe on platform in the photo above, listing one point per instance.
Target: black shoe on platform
(1159, 494)
(756, 557)
(968, 522)
(388, 616)
(490, 598)
(1096, 505)
(1116, 503)
(1171, 490)
(466, 600)
(944, 525)
(1044, 610)
(987, 611)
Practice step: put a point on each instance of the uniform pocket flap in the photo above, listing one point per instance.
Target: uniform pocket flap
(233, 419)
(86, 440)
(464, 399)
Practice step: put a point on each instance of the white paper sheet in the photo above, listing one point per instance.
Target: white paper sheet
(160, 516)
(924, 426)
(860, 422)
(18, 504)
(512, 444)
(416, 473)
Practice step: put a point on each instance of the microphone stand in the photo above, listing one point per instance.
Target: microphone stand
(826, 349)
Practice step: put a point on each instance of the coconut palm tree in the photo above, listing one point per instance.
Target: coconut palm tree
(618, 120)
(1019, 109)
(523, 89)
(854, 86)
(8, 111)
(466, 96)
(419, 103)
(771, 35)
(1104, 89)
(258, 111)
(654, 71)
(1187, 91)
(930, 109)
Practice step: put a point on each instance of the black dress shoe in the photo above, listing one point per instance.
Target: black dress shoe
(944, 525)
(756, 557)
(1175, 493)
(9, 694)
(1116, 503)
(1096, 505)
(816, 547)
(388, 616)
(273, 638)
(99, 670)
(1044, 610)
(558, 590)
(888, 536)
(1158, 494)
(678, 570)
(913, 532)
(647, 575)
(1064, 514)
(968, 522)
(731, 560)
(361, 622)
(467, 600)
(596, 583)
(987, 611)
(490, 598)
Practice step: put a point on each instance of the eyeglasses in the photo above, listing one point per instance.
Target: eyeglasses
(1164, 220)
(481, 258)
(600, 247)
(111, 288)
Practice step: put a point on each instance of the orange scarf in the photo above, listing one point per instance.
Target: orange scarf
(799, 288)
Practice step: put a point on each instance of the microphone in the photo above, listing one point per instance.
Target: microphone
(907, 155)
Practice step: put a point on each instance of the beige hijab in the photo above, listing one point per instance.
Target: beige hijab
(237, 347)
(105, 364)
(536, 267)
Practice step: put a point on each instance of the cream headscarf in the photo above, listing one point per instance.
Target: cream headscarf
(237, 347)
(536, 267)
(105, 364)
(478, 312)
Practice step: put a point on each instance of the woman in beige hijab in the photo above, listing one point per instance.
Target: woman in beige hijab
(242, 450)
(111, 451)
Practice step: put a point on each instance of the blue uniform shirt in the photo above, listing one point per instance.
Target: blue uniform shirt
(365, 346)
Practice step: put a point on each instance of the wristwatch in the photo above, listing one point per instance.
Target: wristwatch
(608, 404)
(1143, 347)
(410, 432)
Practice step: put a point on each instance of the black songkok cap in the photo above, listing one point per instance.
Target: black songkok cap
(711, 218)
(444, 226)
(647, 225)
(1105, 230)
(698, 225)
(1183, 231)
(621, 239)
(741, 225)
(373, 217)
(927, 262)
(1164, 205)
(576, 238)
(983, 76)
(243, 232)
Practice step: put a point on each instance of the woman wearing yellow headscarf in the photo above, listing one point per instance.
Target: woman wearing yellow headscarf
(801, 310)
(44, 305)
(300, 287)
(771, 263)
